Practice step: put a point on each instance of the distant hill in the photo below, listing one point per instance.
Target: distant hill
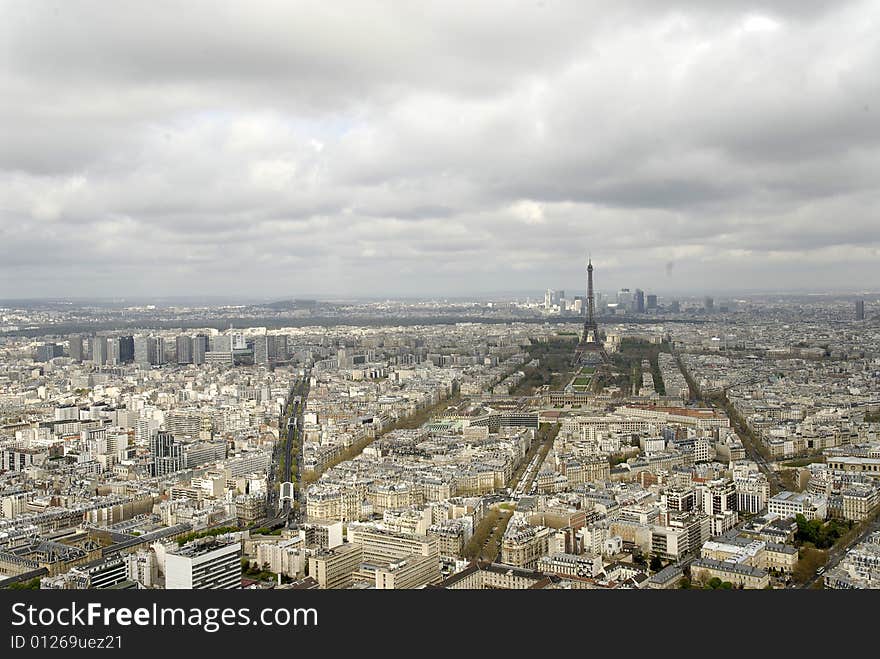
(290, 305)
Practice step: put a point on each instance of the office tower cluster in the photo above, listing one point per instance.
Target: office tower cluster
(628, 301)
(637, 301)
(625, 301)
(102, 350)
(554, 298)
(151, 350)
(269, 348)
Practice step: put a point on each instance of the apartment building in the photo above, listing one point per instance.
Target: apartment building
(523, 546)
(414, 571)
(333, 568)
(790, 504)
(381, 546)
(204, 565)
(739, 574)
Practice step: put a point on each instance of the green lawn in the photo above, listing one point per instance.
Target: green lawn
(803, 462)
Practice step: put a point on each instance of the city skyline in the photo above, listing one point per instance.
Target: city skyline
(689, 449)
(443, 152)
(536, 295)
(476, 296)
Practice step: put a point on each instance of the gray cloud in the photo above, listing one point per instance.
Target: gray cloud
(439, 148)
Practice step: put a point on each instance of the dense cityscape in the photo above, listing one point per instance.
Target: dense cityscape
(616, 440)
(299, 297)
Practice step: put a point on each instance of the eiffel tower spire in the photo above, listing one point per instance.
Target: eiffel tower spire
(590, 325)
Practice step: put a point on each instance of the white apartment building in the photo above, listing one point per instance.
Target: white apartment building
(205, 565)
(790, 504)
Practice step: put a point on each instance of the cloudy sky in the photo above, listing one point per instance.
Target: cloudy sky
(446, 148)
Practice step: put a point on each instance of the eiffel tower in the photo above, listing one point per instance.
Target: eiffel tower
(591, 340)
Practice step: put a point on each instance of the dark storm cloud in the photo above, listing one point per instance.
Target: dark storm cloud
(382, 148)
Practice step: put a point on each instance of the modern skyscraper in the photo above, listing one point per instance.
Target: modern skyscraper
(261, 349)
(221, 343)
(651, 302)
(126, 349)
(148, 350)
(160, 349)
(99, 350)
(113, 351)
(199, 348)
(860, 309)
(184, 347)
(45, 352)
(142, 350)
(675, 306)
(167, 454)
(709, 304)
(639, 301)
(553, 298)
(75, 349)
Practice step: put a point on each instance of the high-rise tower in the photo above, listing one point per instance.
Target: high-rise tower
(590, 349)
(591, 328)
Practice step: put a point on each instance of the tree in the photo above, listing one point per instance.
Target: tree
(656, 563)
(638, 557)
(820, 535)
(33, 584)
